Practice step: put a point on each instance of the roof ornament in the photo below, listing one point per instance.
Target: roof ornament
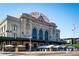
(37, 15)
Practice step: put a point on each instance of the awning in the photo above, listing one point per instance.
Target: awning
(62, 46)
(27, 39)
(42, 47)
(57, 46)
(46, 46)
(70, 47)
(8, 46)
(20, 46)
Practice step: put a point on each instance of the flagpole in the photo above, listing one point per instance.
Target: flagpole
(73, 33)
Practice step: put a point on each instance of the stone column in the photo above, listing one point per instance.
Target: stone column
(54, 33)
(29, 29)
(23, 27)
(20, 27)
(51, 33)
(24, 30)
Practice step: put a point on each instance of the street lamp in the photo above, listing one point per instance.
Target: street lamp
(29, 37)
(30, 43)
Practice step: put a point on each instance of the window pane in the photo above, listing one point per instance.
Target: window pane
(34, 33)
(46, 35)
(40, 34)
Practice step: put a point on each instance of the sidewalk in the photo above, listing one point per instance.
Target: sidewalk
(43, 53)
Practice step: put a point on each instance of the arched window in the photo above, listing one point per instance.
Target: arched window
(34, 33)
(40, 34)
(46, 35)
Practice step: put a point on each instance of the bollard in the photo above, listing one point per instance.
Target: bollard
(16, 50)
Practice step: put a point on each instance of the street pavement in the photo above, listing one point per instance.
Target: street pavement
(43, 53)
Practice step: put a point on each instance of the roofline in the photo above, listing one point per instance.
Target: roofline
(26, 39)
(6, 19)
(24, 16)
(2, 21)
(69, 38)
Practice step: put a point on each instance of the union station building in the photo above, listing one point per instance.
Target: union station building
(34, 26)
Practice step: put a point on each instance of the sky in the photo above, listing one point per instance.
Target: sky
(63, 14)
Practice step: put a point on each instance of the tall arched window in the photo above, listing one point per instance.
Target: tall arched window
(41, 34)
(34, 33)
(46, 35)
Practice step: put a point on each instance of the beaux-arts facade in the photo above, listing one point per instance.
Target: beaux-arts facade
(35, 26)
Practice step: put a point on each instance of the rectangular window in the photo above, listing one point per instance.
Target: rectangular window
(14, 27)
(4, 28)
(57, 35)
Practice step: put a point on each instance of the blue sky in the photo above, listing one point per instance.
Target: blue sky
(63, 14)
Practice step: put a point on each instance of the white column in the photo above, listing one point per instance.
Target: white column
(29, 29)
(24, 32)
(21, 27)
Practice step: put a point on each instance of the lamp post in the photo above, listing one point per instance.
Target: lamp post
(30, 44)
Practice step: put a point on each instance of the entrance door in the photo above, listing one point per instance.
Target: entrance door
(35, 47)
(27, 46)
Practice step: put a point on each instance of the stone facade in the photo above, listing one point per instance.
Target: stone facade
(23, 27)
